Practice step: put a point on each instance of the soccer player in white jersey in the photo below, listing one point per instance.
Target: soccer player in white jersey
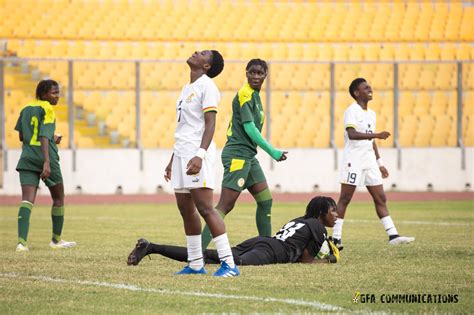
(361, 162)
(191, 168)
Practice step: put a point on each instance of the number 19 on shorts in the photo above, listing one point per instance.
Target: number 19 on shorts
(351, 178)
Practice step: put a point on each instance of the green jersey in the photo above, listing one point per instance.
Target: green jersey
(37, 119)
(246, 107)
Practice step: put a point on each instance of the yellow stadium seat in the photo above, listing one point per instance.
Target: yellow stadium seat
(406, 103)
(427, 77)
(468, 76)
(448, 51)
(381, 75)
(439, 103)
(409, 76)
(408, 127)
(445, 77)
(371, 52)
(285, 31)
(422, 105)
(387, 52)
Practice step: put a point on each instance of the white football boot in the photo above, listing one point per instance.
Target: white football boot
(401, 240)
(62, 244)
(21, 248)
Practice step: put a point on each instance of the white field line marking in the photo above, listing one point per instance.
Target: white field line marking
(129, 287)
(415, 222)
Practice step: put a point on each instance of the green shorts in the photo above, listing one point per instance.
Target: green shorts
(241, 173)
(32, 178)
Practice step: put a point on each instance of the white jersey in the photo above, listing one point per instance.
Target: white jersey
(195, 99)
(359, 154)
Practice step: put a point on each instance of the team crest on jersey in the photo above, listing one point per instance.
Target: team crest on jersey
(189, 98)
(241, 182)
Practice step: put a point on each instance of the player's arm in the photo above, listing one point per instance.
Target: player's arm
(18, 127)
(382, 168)
(46, 132)
(209, 128)
(306, 258)
(168, 169)
(253, 133)
(195, 164)
(356, 135)
(45, 151)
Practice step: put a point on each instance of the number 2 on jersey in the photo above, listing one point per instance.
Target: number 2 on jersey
(34, 139)
(288, 230)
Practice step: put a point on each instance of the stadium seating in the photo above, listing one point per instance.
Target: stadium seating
(299, 40)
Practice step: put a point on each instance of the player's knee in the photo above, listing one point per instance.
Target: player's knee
(205, 210)
(184, 211)
(381, 199)
(58, 202)
(206, 213)
(227, 207)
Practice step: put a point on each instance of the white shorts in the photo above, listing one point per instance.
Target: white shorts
(361, 177)
(182, 183)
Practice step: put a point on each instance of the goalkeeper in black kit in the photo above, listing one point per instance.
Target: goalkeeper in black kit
(302, 240)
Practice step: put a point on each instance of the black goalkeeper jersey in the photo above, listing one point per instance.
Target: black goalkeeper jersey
(301, 233)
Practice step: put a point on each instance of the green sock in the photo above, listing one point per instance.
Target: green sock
(57, 216)
(206, 235)
(24, 221)
(263, 215)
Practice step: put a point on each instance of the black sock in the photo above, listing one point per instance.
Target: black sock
(178, 253)
(391, 237)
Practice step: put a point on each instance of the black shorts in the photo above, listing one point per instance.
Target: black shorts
(260, 250)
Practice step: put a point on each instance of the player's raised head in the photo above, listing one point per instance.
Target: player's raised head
(211, 61)
(323, 208)
(217, 64)
(48, 90)
(355, 85)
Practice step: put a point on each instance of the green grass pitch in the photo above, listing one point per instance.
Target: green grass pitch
(94, 277)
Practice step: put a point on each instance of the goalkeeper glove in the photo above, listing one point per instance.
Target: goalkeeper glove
(334, 255)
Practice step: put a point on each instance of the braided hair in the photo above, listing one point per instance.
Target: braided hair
(318, 206)
(217, 64)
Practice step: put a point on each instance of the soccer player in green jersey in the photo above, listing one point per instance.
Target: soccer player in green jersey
(40, 160)
(241, 168)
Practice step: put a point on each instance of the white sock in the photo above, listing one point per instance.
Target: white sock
(223, 249)
(389, 226)
(195, 258)
(337, 229)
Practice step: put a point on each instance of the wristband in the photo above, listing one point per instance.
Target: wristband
(380, 162)
(201, 153)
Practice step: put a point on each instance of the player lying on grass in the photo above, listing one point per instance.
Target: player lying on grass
(299, 241)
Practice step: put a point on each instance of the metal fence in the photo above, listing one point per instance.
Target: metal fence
(124, 101)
